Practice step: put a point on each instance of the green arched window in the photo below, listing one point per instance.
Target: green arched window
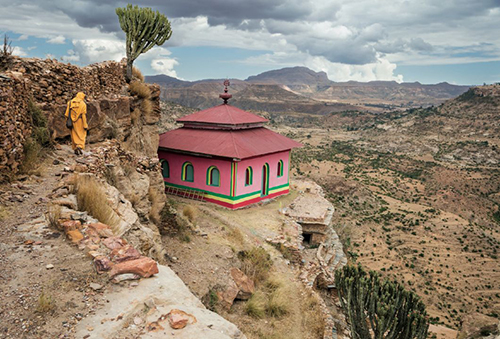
(213, 176)
(280, 168)
(187, 172)
(248, 176)
(165, 169)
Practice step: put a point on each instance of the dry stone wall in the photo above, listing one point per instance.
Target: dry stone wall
(51, 84)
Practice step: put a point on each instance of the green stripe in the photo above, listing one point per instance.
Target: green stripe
(223, 195)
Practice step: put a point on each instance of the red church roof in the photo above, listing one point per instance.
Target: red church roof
(223, 115)
(238, 144)
(225, 131)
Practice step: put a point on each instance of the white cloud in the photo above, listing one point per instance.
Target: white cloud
(96, 50)
(164, 66)
(19, 51)
(23, 37)
(58, 40)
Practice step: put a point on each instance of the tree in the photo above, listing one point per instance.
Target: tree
(378, 308)
(144, 29)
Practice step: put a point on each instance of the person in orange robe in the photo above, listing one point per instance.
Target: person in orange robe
(78, 110)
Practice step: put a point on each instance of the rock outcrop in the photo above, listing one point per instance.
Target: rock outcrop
(142, 313)
(50, 85)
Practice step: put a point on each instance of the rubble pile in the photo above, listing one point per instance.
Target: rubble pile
(111, 254)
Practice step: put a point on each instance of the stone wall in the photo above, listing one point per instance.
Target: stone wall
(15, 124)
(51, 84)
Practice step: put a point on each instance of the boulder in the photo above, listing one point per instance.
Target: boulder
(124, 253)
(144, 266)
(245, 284)
(226, 298)
(161, 293)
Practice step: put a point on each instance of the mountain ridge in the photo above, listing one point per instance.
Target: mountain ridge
(312, 87)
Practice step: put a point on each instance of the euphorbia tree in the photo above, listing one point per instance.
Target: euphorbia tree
(145, 29)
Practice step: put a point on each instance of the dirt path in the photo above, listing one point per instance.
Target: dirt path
(44, 279)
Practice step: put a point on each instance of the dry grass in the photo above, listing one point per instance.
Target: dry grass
(45, 303)
(157, 200)
(146, 107)
(256, 305)
(235, 235)
(135, 115)
(312, 317)
(137, 74)
(53, 215)
(92, 198)
(140, 89)
(256, 264)
(31, 152)
(190, 212)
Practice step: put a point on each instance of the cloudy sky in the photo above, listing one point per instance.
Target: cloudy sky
(404, 40)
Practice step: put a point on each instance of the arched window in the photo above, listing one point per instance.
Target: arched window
(248, 176)
(187, 172)
(280, 168)
(213, 176)
(165, 169)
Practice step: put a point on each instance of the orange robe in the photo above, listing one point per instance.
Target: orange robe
(79, 117)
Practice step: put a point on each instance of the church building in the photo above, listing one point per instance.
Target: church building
(225, 155)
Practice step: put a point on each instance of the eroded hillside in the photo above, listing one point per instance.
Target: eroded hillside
(418, 198)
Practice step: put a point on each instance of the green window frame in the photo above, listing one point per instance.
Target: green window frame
(280, 168)
(187, 172)
(165, 169)
(213, 176)
(249, 176)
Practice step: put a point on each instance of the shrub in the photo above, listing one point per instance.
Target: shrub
(137, 74)
(140, 89)
(93, 199)
(157, 201)
(146, 107)
(256, 305)
(31, 155)
(54, 214)
(190, 213)
(256, 264)
(278, 303)
(45, 303)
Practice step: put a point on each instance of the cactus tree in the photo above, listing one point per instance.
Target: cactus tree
(378, 308)
(144, 29)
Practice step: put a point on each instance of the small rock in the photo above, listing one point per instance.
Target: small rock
(49, 266)
(179, 319)
(95, 286)
(127, 276)
(137, 320)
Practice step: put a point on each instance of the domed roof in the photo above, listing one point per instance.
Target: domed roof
(223, 114)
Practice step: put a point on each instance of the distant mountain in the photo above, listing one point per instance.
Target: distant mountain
(291, 76)
(302, 90)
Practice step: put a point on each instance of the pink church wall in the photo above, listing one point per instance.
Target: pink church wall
(200, 165)
(257, 163)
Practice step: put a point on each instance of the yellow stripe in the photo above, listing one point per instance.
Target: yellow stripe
(234, 202)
